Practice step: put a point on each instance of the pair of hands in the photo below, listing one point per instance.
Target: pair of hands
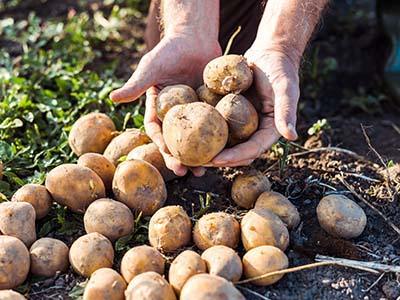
(180, 59)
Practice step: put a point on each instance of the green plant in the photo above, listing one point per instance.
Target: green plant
(318, 126)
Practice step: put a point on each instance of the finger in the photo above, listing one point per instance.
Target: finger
(241, 163)
(173, 164)
(198, 171)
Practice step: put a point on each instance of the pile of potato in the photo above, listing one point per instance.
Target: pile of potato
(118, 176)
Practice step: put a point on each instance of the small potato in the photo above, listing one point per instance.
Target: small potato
(217, 228)
(74, 186)
(224, 262)
(248, 186)
(209, 287)
(207, 96)
(105, 284)
(261, 226)
(262, 260)
(111, 218)
(141, 259)
(14, 262)
(100, 165)
(17, 219)
(170, 228)
(91, 133)
(91, 252)
(173, 95)
(228, 74)
(149, 286)
(281, 206)
(194, 133)
(37, 195)
(11, 295)
(184, 266)
(140, 186)
(124, 143)
(341, 217)
(48, 256)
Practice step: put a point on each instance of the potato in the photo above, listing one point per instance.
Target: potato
(173, 95)
(48, 256)
(223, 261)
(149, 286)
(260, 227)
(11, 295)
(91, 252)
(105, 284)
(241, 116)
(281, 206)
(207, 96)
(248, 186)
(124, 143)
(151, 154)
(37, 195)
(228, 74)
(74, 186)
(91, 133)
(218, 228)
(100, 165)
(140, 186)
(170, 228)
(194, 133)
(209, 287)
(341, 217)
(262, 260)
(17, 219)
(184, 266)
(141, 259)
(14, 262)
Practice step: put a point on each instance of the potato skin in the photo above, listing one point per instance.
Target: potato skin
(91, 252)
(205, 95)
(262, 260)
(17, 219)
(184, 266)
(217, 228)
(105, 284)
(224, 262)
(91, 133)
(195, 133)
(170, 228)
(141, 259)
(48, 256)
(11, 295)
(260, 227)
(341, 217)
(14, 262)
(209, 287)
(37, 195)
(149, 286)
(140, 186)
(281, 206)
(74, 186)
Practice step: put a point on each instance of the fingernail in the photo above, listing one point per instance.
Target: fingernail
(292, 129)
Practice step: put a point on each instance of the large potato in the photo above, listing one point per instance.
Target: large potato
(91, 133)
(341, 217)
(224, 262)
(48, 256)
(111, 218)
(218, 228)
(170, 228)
(149, 286)
(141, 259)
(100, 165)
(260, 227)
(17, 219)
(247, 187)
(105, 284)
(281, 206)
(194, 133)
(37, 195)
(228, 74)
(124, 143)
(91, 252)
(14, 262)
(74, 186)
(140, 186)
(209, 287)
(207, 96)
(264, 259)
(11, 295)
(184, 266)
